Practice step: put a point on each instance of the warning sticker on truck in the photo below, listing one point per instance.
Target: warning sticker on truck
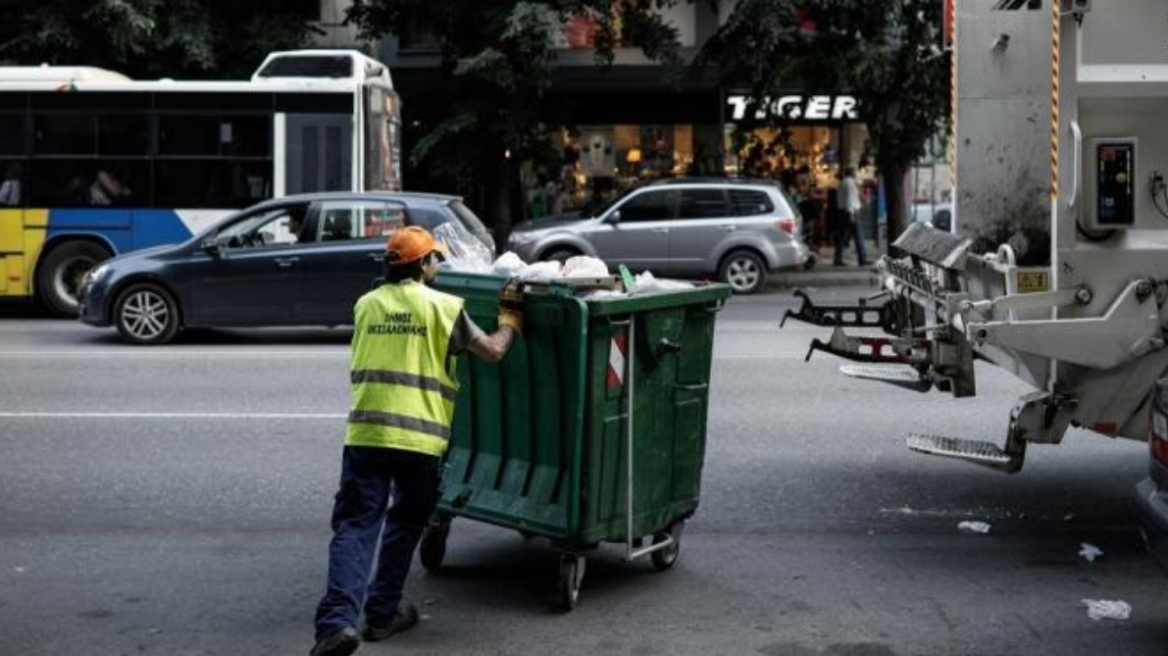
(1033, 280)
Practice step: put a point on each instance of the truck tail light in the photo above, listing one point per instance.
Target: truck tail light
(787, 225)
(1158, 440)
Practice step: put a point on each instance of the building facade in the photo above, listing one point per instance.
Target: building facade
(637, 120)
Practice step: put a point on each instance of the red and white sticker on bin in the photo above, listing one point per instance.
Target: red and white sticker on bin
(616, 360)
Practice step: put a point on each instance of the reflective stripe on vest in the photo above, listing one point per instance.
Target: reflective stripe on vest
(402, 395)
(400, 378)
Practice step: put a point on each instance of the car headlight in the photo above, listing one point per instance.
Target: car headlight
(522, 237)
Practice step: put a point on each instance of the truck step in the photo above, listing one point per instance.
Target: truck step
(900, 376)
(975, 451)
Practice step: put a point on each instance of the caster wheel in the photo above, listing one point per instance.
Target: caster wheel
(666, 557)
(571, 574)
(432, 549)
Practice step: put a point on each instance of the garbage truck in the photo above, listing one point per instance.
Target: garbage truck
(1056, 268)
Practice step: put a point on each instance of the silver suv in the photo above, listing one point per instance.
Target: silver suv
(736, 229)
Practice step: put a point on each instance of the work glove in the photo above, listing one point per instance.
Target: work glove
(511, 306)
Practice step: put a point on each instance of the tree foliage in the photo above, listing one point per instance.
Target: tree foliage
(886, 53)
(151, 38)
(493, 99)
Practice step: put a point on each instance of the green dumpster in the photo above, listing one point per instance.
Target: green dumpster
(541, 441)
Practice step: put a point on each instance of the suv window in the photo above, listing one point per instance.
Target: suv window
(702, 204)
(748, 202)
(649, 206)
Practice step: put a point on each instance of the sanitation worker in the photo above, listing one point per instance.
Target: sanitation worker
(406, 337)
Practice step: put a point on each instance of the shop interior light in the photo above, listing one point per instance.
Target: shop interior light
(634, 156)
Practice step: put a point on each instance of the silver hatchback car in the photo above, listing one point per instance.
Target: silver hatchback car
(735, 229)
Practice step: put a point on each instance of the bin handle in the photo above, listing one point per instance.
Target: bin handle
(691, 387)
(614, 322)
(716, 307)
(669, 345)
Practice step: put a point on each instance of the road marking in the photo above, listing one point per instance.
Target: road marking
(779, 355)
(182, 354)
(174, 415)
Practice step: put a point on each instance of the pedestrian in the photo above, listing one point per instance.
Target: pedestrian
(551, 193)
(406, 337)
(10, 188)
(848, 224)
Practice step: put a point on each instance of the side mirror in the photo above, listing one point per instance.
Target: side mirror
(613, 217)
(212, 246)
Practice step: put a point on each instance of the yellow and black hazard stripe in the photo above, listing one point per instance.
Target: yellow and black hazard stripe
(1054, 102)
(1015, 5)
(951, 8)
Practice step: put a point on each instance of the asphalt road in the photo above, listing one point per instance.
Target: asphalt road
(175, 501)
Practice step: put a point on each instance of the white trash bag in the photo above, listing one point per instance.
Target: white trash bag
(646, 283)
(583, 266)
(541, 272)
(509, 265)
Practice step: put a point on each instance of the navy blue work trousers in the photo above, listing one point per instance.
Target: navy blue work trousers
(368, 475)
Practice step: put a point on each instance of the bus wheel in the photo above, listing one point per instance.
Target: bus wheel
(59, 276)
(146, 314)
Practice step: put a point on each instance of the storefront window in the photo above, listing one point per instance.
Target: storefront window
(610, 159)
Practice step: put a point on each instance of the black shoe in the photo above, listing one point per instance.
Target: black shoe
(404, 619)
(338, 643)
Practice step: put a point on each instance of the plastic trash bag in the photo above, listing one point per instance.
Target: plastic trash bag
(541, 272)
(646, 283)
(464, 251)
(509, 265)
(1104, 609)
(583, 266)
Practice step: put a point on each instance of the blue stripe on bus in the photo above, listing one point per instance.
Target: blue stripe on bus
(125, 229)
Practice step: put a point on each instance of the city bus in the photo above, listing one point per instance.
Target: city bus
(95, 164)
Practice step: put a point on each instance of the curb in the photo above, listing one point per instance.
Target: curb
(848, 277)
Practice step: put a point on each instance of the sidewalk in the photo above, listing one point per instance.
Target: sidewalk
(826, 274)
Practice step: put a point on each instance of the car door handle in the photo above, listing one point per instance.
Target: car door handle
(660, 231)
(286, 262)
(727, 228)
(377, 257)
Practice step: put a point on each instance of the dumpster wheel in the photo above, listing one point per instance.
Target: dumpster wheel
(665, 557)
(571, 574)
(432, 549)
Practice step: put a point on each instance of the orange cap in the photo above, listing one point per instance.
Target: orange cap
(410, 243)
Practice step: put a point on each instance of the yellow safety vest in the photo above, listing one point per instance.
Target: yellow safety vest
(402, 394)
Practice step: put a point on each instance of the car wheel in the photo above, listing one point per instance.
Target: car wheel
(146, 313)
(59, 276)
(560, 255)
(744, 271)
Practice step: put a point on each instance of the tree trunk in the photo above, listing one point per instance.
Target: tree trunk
(893, 177)
(499, 182)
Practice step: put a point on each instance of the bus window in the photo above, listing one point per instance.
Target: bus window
(246, 136)
(11, 134)
(76, 183)
(186, 134)
(122, 134)
(64, 134)
(211, 183)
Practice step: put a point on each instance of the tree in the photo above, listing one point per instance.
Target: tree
(492, 106)
(153, 38)
(886, 53)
